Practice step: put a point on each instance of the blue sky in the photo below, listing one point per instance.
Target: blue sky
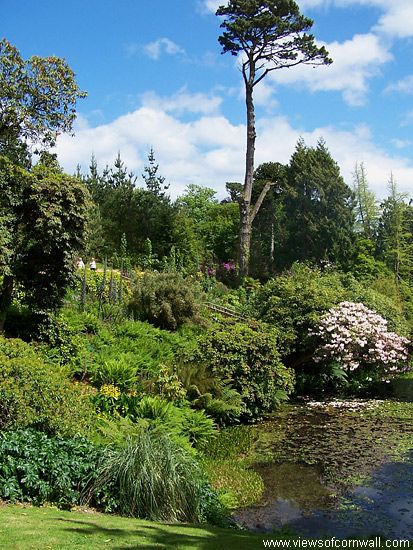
(155, 78)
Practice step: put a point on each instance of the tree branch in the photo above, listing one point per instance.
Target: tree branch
(261, 198)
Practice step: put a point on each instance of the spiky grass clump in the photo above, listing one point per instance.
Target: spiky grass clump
(155, 479)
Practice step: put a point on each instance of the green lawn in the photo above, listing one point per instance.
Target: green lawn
(50, 528)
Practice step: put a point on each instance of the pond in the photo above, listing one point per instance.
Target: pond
(340, 468)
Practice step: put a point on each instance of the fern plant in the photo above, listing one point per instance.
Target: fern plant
(207, 391)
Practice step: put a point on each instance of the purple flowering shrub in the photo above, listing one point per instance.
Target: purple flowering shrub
(358, 339)
(227, 273)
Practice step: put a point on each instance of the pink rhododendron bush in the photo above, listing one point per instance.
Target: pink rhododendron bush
(358, 340)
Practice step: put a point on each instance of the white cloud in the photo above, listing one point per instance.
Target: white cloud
(210, 150)
(355, 61)
(405, 85)
(397, 19)
(212, 5)
(183, 102)
(162, 45)
(264, 95)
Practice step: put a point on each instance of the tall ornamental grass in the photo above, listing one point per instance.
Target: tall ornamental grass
(155, 479)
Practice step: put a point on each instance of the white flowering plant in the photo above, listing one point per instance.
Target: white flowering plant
(359, 340)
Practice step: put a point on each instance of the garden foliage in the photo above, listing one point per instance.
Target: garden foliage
(37, 468)
(164, 299)
(246, 355)
(34, 393)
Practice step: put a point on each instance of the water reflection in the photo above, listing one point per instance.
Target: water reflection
(315, 499)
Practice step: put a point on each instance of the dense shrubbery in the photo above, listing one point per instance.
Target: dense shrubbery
(140, 347)
(34, 393)
(160, 393)
(37, 468)
(104, 285)
(294, 302)
(208, 391)
(247, 356)
(186, 425)
(149, 476)
(382, 297)
(164, 299)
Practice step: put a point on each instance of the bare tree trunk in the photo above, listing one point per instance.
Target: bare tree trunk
(245, 206)
(5, 299)
(247, 210)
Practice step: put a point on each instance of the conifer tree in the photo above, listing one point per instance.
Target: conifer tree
(267, 36)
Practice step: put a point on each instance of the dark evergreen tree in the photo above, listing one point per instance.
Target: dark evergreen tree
(154, 182)
(117, 187)
(319, 209)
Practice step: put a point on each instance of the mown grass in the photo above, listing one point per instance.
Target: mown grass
(24, 528)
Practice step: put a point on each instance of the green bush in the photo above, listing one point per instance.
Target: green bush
(154, 478)
(247, 355)
(181, 422)
(33, 393)
(295, 301)
(166, 300)
(390, 305)
(197, 426)
(37, 468)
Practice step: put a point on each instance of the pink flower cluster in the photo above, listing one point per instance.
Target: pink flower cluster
(357, 337)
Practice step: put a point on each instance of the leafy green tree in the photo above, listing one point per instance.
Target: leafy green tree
(367, 206)
(38, 99)
(213, 225)
(319, 209)
(46, 213)
(365, 265)
(395, 239)
(268, 35)
(42, 211)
